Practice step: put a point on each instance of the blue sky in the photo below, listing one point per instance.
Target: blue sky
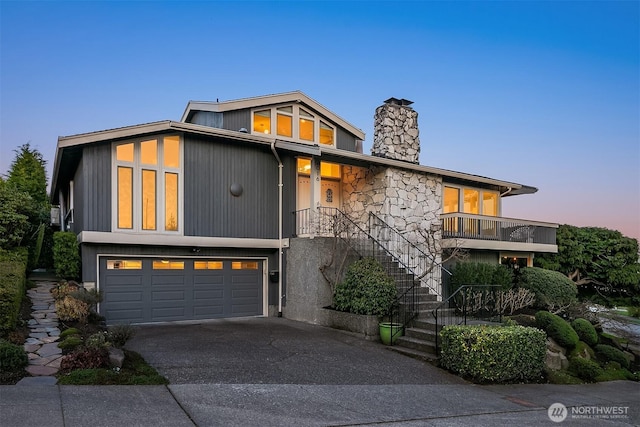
(541, 93)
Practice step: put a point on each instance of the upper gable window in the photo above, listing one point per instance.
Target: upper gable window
(147, 185)
(293, 122)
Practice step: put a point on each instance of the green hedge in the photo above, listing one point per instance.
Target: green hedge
(366, 289)
(13, 270)
(557, 328)
(608, 353)
(66, 255)
(552, 288)
(477, 273)
(585, 331)
(493, 353)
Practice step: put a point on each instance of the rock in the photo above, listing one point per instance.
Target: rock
(555, 347)
(116, 357)
(556, 361)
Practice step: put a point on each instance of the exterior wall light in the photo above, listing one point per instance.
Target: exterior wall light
(236, 189)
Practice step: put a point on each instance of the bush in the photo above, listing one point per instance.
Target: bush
(585, 369)
(366, 289)
(70, 309)
(13, 265)
(557, 328)
(552, 288)
(608, 353)
(64, 289)
(582, 350)
(98, 340)
(118, 335)
(475, 273)
(13, 358)
(585, 330)
(70, 342)
(66, 255)
(69, 332)
(15, 207)
(85, 358)
(493, 354)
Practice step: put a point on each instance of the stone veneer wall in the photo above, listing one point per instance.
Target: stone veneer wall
(406, 200)
(396, 134)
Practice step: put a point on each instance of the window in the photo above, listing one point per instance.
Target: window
(128, 264)
(207, 265)
(244, 265)
(168, 265)
(327, 170)
(147, 187)
(474, 201)
(294, 122)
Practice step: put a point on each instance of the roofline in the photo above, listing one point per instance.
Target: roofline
(306, 149)
(295, 96)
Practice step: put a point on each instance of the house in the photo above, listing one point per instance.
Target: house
(224, 213)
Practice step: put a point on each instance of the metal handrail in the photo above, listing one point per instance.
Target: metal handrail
(460, 310)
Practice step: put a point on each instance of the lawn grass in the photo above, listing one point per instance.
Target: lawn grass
(134, 371)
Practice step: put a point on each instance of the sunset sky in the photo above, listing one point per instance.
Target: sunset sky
(540, 93)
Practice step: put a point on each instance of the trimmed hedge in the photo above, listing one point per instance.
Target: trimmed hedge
(585, 331)
(552, 288)
(585, 369)
(608, 353)
(66, 255)
(493, 353)
(13, 358)
(13, 270)
(557, 328)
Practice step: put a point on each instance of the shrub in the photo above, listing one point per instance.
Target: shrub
(91, 297)
(608, 353)
(69, 332)
(13, 358)
(585, 330)
(13, 266)
(98, 340)
(15, 206)
(585, 369)
(64, 289)
(552, 288)
(70, 342)
(70, 309)
(557, 328)
(493, 354)
(85, 358)
(66, 255)
(476, 273)
(120, 334)
(366, 289)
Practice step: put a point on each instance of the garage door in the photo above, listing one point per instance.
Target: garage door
(142, 290)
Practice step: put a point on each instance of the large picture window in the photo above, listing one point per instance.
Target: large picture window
(147, 185)
(473, 201)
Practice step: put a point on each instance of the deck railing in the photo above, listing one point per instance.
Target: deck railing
(467, 226)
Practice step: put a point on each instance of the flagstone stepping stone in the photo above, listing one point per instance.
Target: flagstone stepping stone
(37, 370)
(49, 350)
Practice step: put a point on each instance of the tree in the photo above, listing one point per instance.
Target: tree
(14, 215)
(595, 256)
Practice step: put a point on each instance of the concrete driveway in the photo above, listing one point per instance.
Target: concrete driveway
(275, 351)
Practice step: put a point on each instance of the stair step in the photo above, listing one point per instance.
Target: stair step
(416, 354)
(421, 334)
(416, 344)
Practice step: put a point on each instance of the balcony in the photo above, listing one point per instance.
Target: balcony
(489, 232)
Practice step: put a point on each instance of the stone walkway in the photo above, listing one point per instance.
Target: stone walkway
(41, 346)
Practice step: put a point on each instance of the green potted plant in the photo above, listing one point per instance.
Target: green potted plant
(368, 289)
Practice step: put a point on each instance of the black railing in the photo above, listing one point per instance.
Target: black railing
(468, 304)
(409, 266)
(480, 227)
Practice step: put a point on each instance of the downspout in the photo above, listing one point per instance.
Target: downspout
(506, 192)
(280, 296)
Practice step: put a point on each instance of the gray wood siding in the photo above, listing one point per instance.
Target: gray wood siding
(207, 118)
(289, 181)
(78, 198)
(345, 141)
(235, 120)
(210, 167)
(96, 191)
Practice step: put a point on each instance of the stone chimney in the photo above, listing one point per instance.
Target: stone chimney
(395, 131)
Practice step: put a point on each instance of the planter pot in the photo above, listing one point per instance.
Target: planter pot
(389, 332)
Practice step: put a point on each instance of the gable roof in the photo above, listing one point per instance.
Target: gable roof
(67, 147)
(267, 100)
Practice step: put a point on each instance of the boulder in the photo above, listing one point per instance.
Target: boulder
(556, 361)
(116, 357)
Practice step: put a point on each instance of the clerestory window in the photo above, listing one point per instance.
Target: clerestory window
(147, 185)
(293, 122)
